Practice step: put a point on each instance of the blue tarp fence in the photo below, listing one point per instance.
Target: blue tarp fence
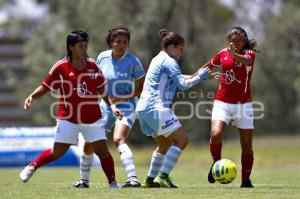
(19, 146)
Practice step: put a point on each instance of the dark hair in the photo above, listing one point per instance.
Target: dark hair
(75, 37)
(114, 32)
(249, 43)
(170, 38)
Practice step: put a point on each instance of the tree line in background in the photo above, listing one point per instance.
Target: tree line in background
(204, 25)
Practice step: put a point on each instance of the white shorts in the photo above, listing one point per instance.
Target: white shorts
(158, 122)
(241, 114)
(67, 132)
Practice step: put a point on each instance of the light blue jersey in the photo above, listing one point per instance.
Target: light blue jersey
(120, 76)
(159, 88)
(163, 78)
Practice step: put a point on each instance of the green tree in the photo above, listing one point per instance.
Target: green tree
(144, 18)
(278, 70)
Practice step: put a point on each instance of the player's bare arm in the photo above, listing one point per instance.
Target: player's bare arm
(237, 57)
(213, 75)
(138, 90)
(104, 94)
(37, 93)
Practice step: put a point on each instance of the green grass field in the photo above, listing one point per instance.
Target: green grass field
(276, 174)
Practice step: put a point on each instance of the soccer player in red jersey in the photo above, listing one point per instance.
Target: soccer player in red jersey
(233, 99)
(124, 74)
(80, 82)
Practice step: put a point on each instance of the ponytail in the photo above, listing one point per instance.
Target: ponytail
(170, 38)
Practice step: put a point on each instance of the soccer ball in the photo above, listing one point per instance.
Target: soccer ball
(224, 171)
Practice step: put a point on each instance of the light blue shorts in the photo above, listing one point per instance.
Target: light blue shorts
(158, 122)
(109, 119)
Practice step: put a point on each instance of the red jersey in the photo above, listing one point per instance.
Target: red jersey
(235, 79)
(78, 99)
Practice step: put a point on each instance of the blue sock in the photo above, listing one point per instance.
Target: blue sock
(156, 162)
(170, 159)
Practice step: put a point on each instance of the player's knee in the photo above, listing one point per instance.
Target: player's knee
(102, 153)
(216, 135)
(162, 149)
(182, 143)
(56, 154)
(185, 142)
(88, 148)
(118, 141)
(216, 132)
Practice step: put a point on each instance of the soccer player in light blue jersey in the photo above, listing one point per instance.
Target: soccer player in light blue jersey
(125, 77)
(156, 117)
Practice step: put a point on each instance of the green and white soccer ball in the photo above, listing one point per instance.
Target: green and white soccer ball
(224, 171)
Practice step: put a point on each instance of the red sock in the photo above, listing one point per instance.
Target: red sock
(247, 163)
(215, 150)
(108, 167)
(44, 158)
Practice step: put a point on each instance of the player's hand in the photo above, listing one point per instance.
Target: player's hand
(231, 49)
(28, 102)
(209, 65)
(215, 75)
(117, 112)
(206, 68)
(113, 100)
(204, 72)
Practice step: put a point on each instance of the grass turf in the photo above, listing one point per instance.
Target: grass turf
(275, 175)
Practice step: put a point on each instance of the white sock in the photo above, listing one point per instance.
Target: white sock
(156, 162)
(86, 161)
(170, 159)
(127, 160)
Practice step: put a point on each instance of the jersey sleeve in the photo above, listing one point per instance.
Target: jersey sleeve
(53, 80)
(171, 68)
(99, 59)
(100, 79)
(183, 83)
(250, 54)
(216, 60)
(138, 69)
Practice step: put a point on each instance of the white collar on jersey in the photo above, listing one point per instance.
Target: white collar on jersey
(121, 57)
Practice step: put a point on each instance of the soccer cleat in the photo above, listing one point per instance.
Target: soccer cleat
(114, 185)
(131, 182)
(81, 184)
(210, 176)
(164, 180)
(27, 172)
(246, 184)
(148, 183)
